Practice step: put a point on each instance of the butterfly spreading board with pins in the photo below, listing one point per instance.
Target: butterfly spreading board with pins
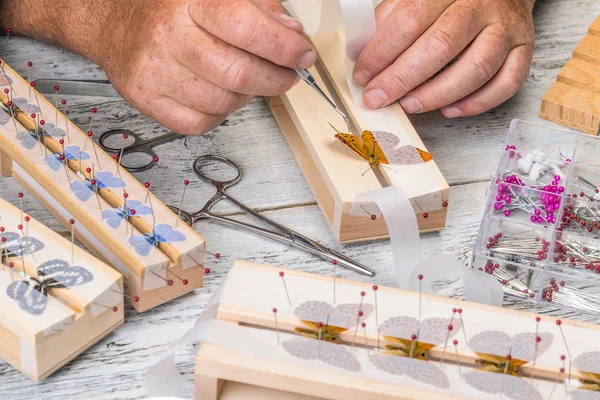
(335, 176)
(55, 300)
(460, 350)
(116, 216)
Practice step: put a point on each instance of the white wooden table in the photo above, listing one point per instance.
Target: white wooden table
(467, 151)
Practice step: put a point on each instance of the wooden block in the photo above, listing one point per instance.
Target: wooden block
(581, 74)
(5, 164)
(250, 376)
(589, 50)
(336, 175)
(165, 269)
(595, 28)
(572, 107)
(65, 322)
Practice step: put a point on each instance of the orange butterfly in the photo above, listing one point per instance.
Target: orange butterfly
(375, 143)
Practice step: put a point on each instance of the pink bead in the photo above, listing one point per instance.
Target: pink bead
(507, 213)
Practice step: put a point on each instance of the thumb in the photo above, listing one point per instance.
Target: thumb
(275, 10)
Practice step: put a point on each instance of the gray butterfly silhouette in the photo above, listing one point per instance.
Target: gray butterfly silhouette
(16, 245)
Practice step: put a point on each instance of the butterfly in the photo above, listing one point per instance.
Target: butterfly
(492, 347)
(53, 274)
(5, 80)
(24, 105)
(17, 245)
(163, 233)
(103, 180)
(419, 370)
(588, 365)
(114, 217)
(511, 386)
(71, 153)
(4, 117)
(380, 148)
(430, 333)
(335, 320)
(330, 353)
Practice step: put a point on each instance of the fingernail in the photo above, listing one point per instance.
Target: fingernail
(362, 77)
(375, 98)
(308, 60)
(411, 104)
(452, 112)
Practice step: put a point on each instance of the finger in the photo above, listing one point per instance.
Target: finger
(275, 10)
(503, 86)
(478, 64)
(450, 34)
(181, 119)
(241, 24)
(200, 94)
(231, 68)
(398, 28)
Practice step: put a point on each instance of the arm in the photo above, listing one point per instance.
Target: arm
(417, 38)
(185, 63)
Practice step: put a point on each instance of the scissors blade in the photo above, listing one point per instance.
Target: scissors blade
(77, 88)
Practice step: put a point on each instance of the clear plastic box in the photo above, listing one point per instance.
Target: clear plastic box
(540, 234)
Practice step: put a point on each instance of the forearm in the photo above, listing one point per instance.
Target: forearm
(82, 26)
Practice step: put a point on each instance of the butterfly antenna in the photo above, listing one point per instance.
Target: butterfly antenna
(334, 128)
(368, 169)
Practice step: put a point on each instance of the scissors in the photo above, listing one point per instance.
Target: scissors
(138, 147)
(278, 232)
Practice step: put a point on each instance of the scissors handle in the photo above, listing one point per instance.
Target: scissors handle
(117, 132)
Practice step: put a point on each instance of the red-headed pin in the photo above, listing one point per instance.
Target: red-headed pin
(334, 263)
(562, 333)
(29, 66)
(21, 205)
(72, 222)
(64, 104)
(276, 325)
(455, 343)
(375, 288)
(185, 185)
(420, 277)
(282, 275)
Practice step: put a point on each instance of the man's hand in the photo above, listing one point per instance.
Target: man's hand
(185, 63)
(417, 38)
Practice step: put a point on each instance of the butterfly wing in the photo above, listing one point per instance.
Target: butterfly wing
(26, 139)
(4, 117)
(141, 244)
(139, 208)
(353, 143)
(332, 354)
(29, 299)
(53, 162)
(81, 190)
(372, 148)
(166, 234)
(17, 245)
(588, 362)
(314, 311)
(584, 395)
(25, 106)
(516, 388)
(75, 153)
(113, 218)
(524, 345)
(434, 331)
(5, 80)
(387, 141)
(346, 315)
(60, 271)
(428, 373)
(494, 343)
(108, 180)
(408, 155)
(400, 327)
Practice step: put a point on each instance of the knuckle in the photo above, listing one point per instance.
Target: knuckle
(224, 103)
(247, 31)
(238, 75)
(483, 67)
(399, 81)
(442, 43)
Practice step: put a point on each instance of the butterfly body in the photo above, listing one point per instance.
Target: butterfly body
(114, 217)
(588, 365)
(381, 148)
(162, 233)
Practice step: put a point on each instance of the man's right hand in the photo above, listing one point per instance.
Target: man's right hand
(185, 63)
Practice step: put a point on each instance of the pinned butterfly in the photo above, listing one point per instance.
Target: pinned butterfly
(381, 148)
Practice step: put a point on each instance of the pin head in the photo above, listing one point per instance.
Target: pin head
(125, 195)
(136, 299)
(64, 102)
(420, 277)
(373, 217)
(9, 103)
(558, 322)
(334, 262)
(27, 219)
(8, 30)
(115, 156)
(6, 91)
(1, 229)
(186, 182)
(562, 357)
(20, 195)
(94, 110)
(19, 227)
(57, 88)
(30, 64)
(413, 337)
(185, 281)
(364, 325)
(170, 282)
(72, 221)
(445, 204)
(455, 342)
(274, 311)
(125, 136)
(42, 122)
(88, 170)
(206, 271)
(132, 212)
(32, 116)
(425, 215)
(375, 287)
(218, 255)
(90, 133)
(32, 84)
(61, 141)
(362, 294)
(155, 159)
(115, 309)
(146, 184)
(281, 274)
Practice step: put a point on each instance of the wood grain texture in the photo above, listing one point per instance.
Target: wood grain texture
(466, 150)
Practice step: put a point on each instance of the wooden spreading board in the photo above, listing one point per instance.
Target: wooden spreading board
(574, 100)
(224, 374)
(169, 270)
(337, 176)
(74, 318)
